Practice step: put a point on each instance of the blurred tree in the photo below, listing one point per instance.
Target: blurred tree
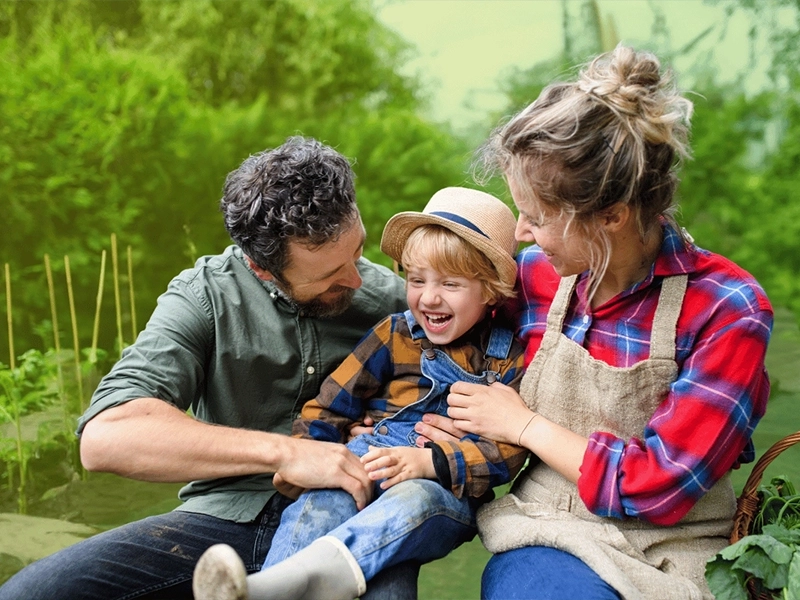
(125, 117)
(739, 193)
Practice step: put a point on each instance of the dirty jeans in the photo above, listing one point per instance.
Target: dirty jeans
(154, 559)
(416, 519)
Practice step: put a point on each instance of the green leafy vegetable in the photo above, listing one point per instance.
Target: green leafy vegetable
(768, 557)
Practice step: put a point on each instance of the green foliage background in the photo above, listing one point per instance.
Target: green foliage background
(125, 117)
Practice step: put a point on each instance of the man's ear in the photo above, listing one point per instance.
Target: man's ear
(261, 273)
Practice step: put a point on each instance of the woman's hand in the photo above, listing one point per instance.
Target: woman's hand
(436, 428)
(398, 464)
(496, 411)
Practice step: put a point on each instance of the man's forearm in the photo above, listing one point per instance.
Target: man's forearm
(151, 440)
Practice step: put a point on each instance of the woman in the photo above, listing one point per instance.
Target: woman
(645, 354)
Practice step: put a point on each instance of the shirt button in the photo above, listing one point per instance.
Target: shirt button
(273, 295)
(310, 370)
(585, 319)
(383, 430)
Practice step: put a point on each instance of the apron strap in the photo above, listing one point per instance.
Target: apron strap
(665, 321)
(663, 337)
(560, 304)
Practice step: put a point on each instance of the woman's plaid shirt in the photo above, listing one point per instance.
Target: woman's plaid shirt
(382, 375)
(702, 429)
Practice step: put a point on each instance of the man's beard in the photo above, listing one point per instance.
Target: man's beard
(316, 307)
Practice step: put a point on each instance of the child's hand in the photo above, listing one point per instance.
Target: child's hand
(398, 464)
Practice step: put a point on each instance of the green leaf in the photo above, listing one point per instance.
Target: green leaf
(774, 574)
(777, 551)
(793, 585)
(725, 583)
(782, 533)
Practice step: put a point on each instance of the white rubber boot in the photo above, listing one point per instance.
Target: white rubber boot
(220, 575)
(324, 570)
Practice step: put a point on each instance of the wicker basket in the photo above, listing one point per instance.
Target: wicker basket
(748, 503)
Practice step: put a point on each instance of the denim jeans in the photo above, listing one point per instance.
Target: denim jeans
(154, 559)
(416, 520)
(540, 573)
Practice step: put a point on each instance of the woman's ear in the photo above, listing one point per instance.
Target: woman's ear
(616, 217)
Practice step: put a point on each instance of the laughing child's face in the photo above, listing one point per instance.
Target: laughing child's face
(446, 306)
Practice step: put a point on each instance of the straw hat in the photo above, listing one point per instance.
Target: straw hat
(477, 217)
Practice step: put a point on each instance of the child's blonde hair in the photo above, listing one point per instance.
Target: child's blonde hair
(444, 251)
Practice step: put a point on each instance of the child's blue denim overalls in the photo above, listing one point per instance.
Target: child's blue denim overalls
(417, 519)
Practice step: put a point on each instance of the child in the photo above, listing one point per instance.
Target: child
(458, 256)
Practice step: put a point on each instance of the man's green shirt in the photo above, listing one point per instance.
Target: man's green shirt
(226, 345)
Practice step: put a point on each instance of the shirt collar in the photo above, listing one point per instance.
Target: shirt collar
(677, 257)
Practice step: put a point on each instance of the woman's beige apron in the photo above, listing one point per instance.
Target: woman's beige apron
(566, 385)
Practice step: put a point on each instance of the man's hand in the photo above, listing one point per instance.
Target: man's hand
(398, 464)
(311, 464)
(286, 488)
(436, 428)
(361, 428)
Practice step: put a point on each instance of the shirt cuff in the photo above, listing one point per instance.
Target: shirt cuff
(441, 465)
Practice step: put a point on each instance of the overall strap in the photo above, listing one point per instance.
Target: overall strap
(500, 341)
(416, 332)
(670, 301)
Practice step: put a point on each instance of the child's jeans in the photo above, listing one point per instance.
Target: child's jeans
(415, 520)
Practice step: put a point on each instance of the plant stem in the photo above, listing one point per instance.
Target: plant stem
(117, 306)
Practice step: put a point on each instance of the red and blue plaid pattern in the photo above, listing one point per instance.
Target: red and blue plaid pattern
(703, 427)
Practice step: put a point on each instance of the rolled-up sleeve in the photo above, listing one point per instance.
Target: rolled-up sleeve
(698, 433)
(166, 362)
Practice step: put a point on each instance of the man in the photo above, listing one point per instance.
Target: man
(242, 340)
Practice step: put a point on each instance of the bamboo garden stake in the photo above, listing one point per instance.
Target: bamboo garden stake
(96, 330)
(12, 363)
(56, 341)
(117, 306)
(12, 395)
(75, 344)
(134, 329)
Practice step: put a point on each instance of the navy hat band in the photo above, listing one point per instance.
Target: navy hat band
(460, 220)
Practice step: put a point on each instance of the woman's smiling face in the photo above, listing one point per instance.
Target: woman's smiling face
(565, 246)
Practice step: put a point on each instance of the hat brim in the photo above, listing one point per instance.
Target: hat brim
(400, 226)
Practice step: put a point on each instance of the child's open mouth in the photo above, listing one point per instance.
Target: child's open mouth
(437, 321)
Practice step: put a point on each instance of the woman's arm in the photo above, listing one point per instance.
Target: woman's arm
(696, 435)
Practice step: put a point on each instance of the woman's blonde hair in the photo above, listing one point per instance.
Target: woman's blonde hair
(446, 252)
(616, 135)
